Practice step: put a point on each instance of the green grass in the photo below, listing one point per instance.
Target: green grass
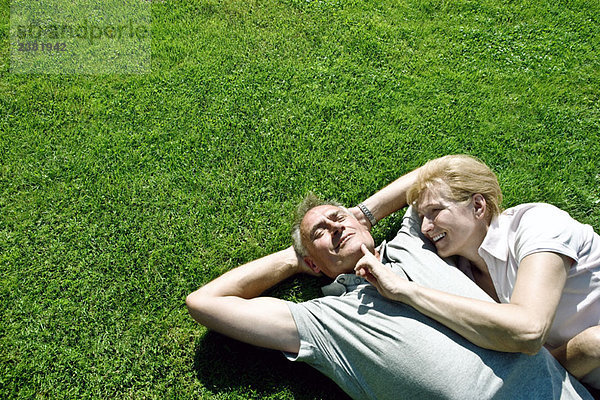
(120, 194)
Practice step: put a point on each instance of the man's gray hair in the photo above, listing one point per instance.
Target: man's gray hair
(309, 202)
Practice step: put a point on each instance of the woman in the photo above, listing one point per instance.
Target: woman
(540, 266)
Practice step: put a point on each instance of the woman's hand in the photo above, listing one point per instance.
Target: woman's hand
(387, 283)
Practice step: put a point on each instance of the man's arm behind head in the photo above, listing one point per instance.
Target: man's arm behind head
(230, 304)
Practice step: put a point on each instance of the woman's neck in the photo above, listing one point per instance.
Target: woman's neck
(472, 252)
(483, 279)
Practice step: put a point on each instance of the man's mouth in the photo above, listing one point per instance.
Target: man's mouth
(438, 237)
(343, 240)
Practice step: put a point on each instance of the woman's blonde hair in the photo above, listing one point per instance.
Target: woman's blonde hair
(464, 175)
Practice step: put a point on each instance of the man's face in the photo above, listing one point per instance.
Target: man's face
(332, 236)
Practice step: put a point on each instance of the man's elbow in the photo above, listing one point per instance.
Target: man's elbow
(190, 301)
(195, 303)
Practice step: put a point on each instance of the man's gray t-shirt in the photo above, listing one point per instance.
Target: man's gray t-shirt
(378, 349)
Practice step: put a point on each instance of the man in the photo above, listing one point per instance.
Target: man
(369, 346)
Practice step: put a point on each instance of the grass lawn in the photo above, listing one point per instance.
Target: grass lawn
(120, 194)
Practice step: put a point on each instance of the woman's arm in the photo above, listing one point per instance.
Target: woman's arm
(519, 326)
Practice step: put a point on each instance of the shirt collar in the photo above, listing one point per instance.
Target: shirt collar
(495, 241)
(381, 250)
(344, 282)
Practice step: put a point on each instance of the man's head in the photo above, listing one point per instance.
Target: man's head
(328, 237)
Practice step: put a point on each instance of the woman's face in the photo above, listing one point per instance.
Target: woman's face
(455, 228)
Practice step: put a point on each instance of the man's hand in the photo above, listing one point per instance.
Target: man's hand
(387, 283)
(301, 266)
(361, 217)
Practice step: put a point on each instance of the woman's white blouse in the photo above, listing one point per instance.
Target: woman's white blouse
(538, 227)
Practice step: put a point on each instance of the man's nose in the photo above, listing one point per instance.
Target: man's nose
(336, 227)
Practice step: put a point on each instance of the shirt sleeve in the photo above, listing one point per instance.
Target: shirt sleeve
(545, 228)
(313, 337)
(330, 340)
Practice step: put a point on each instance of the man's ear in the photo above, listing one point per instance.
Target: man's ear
(479, 205)
(311, 264)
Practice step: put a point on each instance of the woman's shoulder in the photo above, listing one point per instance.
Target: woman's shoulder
(540, 212)
(536, 221)
(535, 227)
